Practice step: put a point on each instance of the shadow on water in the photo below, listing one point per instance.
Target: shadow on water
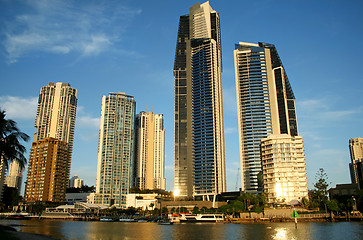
(68, 230)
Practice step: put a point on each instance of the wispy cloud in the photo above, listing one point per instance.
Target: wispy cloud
(19, 108)
(64, 27)
(323, 111)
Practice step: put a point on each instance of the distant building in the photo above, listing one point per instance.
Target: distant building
(72, 198)
(356, 165)
(265, 105)
(283, 168)
(15, 176)
(150, 151)
(2, 177)
(199, 124)
(115, 150)
(48, 172)
(343, 190)
(75, 182)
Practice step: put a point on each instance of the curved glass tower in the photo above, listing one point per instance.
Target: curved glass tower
(265, 105)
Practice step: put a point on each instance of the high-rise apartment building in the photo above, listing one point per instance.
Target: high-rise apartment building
(48, 171)
(15, 176)
(265, 105)
(199, 125)
(115, 150)
(55, 121)
(150, 151)
(356, 165)
(284, 171)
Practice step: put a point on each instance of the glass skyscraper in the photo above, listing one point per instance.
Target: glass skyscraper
(199, 124)
(265, 105)
(115, 150)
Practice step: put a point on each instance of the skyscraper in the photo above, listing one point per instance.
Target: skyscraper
(356, 165)
(149, 151)
(199, 125)
(15, 176)
(54, 131)
(265, 105)
(115, 150)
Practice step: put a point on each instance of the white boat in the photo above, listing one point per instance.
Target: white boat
(127, 220)
(205, 217)
(106, 219)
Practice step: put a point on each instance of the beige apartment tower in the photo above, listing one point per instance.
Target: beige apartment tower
(150, 151)
(199, 153)
(284, 171)
(54, 125)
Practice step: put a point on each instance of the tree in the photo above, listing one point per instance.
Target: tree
(320, 193)
(10, 147)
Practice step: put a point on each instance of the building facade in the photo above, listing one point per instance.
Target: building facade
(54, 125)
(150, 151)
(48, 171)
(115, 150)
(199, 124)
(265, 105)
(284, 171)
(356, 165)
(75, 182)
(2, 177)
(15, 176)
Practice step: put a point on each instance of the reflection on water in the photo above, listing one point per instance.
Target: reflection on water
(69, 230)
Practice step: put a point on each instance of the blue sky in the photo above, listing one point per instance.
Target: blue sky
(128, 46)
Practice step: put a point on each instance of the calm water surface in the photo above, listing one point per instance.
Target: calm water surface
(116, 230)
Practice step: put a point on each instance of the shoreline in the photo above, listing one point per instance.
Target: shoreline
(14, 234)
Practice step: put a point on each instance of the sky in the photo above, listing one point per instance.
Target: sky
(128, 46)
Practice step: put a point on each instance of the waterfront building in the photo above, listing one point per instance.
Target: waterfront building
(48, 171)
(75, 182)
(199, 125)
(149, 151)
(356, 165)
(265, 105)
(283, 168)
(54, 130)
(115, 150)
(15, 176)
(147, 201)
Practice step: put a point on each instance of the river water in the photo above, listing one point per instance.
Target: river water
(128, 231)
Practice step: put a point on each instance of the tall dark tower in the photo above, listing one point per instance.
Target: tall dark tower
(199, 124)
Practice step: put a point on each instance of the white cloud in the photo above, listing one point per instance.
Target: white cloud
(323, 111)
(229, 130)
(64, 27)
(19, 108)
(87, 122)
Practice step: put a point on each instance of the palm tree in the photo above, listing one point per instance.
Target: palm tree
(10, 147)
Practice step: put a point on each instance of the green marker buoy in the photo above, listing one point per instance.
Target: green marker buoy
(295, 215)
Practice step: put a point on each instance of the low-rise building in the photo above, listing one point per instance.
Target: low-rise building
(283, 168)
(144, 201)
